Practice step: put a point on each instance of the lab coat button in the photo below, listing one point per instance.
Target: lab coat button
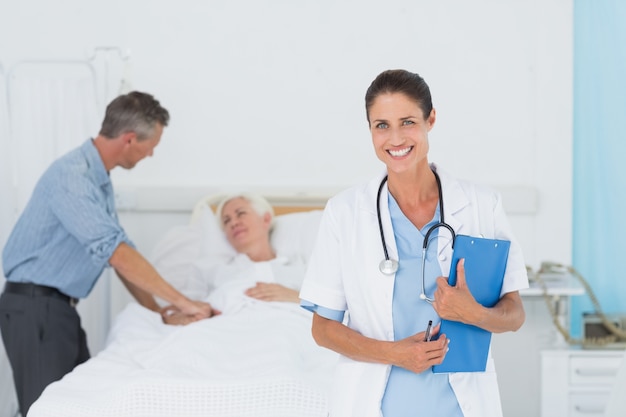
(442, 257)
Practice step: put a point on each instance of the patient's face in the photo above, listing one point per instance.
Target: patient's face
(243, 226)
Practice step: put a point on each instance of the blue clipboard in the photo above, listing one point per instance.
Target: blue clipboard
(485, 264)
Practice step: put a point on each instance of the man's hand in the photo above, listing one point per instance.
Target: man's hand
(175, 316)
(197, 309)
(172, 315)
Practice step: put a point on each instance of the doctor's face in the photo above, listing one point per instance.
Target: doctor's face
(242, 225)
(399, 131)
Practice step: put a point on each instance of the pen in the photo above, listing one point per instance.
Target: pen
(427, 335)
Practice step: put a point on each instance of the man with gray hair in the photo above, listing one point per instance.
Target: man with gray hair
(66, 236)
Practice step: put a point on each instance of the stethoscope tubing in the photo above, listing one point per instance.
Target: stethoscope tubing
(389, 266)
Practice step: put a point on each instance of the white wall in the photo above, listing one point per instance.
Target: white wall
(269, 93)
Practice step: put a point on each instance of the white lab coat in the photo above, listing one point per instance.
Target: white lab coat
(343, 274)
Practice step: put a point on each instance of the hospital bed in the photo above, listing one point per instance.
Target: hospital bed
(261, 361)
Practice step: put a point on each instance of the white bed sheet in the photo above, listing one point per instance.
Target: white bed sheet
(259, 361)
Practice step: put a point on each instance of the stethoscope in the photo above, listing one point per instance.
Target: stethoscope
(390, 266)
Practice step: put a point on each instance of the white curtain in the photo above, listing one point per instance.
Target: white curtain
(52, 109)
(8, 401)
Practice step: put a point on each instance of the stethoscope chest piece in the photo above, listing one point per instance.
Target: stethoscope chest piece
(388, 266)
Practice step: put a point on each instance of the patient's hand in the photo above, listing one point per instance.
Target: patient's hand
(172, 315)
(273, 292)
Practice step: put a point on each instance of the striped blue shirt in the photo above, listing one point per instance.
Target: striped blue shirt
(69, 228)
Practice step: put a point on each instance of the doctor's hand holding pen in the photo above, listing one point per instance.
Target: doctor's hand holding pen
(413, 353)
(421, 351)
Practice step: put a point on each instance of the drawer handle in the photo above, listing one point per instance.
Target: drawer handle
(596, 372)
(590, 410)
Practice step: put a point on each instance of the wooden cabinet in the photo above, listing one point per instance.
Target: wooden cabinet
(576, 382)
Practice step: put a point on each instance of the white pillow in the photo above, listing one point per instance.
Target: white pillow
(186, 255)
(293, 234)
(174, 257)
(215, 245)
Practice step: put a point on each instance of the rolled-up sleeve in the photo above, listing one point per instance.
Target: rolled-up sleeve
(69, 229)
(328, 313)
(88, 213)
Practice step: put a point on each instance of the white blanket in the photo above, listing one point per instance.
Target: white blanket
(259, 359)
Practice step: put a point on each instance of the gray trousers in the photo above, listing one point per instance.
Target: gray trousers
(44, 341)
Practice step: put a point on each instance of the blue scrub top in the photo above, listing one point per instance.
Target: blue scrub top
(407, 393)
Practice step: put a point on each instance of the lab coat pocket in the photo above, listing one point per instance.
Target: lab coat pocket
(358, 389)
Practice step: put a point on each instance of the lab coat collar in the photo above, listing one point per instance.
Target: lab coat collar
(368, 197)
(454, 198)
(454, 201)
(369, 203)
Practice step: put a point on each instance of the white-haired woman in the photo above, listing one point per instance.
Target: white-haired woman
(256, 271)
(247, 221)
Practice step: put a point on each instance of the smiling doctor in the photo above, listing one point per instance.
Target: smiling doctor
(375, 313)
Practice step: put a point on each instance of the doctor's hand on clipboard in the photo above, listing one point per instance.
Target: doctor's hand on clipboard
(456, 302)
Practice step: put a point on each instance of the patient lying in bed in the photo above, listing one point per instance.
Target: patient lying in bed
(256, 269)
(256, 358)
